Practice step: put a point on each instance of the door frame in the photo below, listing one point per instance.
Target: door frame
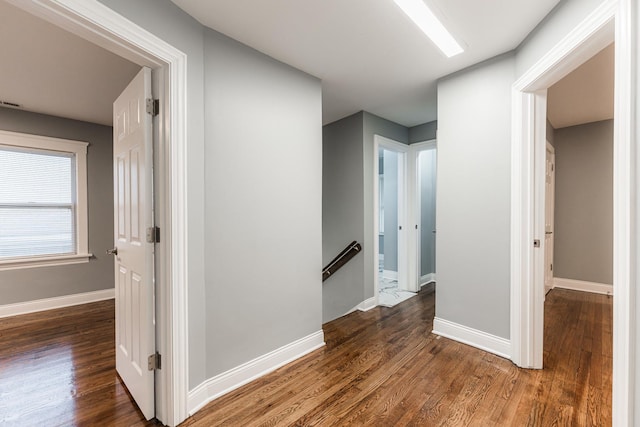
(389, 144)
(612, 20)
(413, 239)
(99, 24)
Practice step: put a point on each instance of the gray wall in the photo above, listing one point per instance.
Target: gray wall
(427, 171)
(342, 214)
(390, 201)
(263, 192)
(164, 19)
(583, 248)
(30, 284)
(423, 132)
(473, 196)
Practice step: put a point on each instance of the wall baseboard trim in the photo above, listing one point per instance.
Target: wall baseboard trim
(367, 304)
(234, 378)
(581, 285)
(427, 278)
(27, 307)
(473, 337)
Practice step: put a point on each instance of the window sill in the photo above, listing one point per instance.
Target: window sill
(44, 261)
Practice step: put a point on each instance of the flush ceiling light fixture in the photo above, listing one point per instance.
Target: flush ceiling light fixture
(424, 18)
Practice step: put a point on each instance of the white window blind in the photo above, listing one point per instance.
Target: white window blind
(37, 203)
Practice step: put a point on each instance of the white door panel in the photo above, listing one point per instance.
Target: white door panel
(132, 156)
(549, 218)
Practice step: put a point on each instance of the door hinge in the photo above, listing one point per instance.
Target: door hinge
(153, 106)
(153, 235)
(551, 267)
(154, 361)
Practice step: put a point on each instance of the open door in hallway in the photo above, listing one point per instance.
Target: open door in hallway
(550, 185)
(424, 176)
(133, 251)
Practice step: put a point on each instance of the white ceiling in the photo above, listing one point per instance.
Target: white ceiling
(369, 55)
(48, 70)
(586, 94)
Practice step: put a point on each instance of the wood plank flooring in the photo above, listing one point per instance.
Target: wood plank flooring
(57, 368)
(379, 368)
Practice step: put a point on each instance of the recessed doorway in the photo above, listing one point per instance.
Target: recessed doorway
(390, 222)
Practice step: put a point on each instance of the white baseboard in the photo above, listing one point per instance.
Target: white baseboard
(473, 337)
(580, 285)
(391, 275)
(367, 304)
(427, 278)
(56, 302)
(228, 381)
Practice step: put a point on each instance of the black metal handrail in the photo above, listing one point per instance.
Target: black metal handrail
(343, 257)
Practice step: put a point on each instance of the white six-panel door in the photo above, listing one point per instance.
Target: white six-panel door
(132, 157)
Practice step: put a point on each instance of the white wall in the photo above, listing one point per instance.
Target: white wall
(473, 196)
(263, 192)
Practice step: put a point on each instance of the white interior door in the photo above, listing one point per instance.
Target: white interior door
(548, 218)
(390, 212)
(134, 283)
(422, 244)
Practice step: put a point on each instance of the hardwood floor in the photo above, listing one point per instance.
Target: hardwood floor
(379, 368)
(57, 368)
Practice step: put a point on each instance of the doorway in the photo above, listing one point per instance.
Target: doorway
(106, 28)
(423, 206)
(606, 24)
(390, 221)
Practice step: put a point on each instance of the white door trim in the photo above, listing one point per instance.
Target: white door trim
(382, 142)
(414, 203)
(529, 96)
(95, 22)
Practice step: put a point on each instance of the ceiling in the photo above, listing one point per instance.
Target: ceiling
(369, 55)
(586, 94)
(49, 70)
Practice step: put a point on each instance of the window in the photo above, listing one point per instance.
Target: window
(43, 201)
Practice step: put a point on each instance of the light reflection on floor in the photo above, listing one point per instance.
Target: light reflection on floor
(37, 390)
